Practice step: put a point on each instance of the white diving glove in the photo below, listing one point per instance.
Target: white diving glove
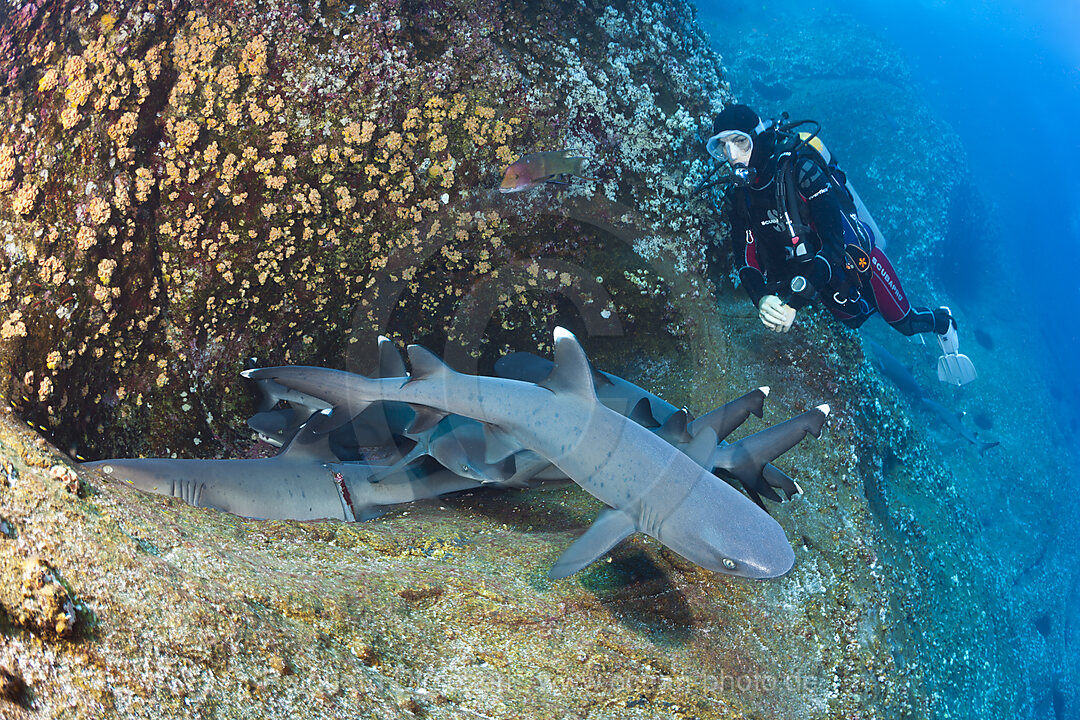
(775, 314)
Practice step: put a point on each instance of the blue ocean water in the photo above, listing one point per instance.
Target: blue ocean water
(1004, 75)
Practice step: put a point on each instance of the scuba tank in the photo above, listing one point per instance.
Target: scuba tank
(840, 178)
(861, 232)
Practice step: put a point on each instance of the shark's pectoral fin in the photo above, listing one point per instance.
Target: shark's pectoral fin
(499, 444)
(425, 419)
(610, 529)
(311, 441)
(530, 468)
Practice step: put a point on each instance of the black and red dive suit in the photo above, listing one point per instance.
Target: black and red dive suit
(810, 259)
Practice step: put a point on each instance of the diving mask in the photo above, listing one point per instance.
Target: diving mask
(732, 146)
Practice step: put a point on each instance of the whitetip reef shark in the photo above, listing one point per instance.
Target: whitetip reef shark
(650, 485)
(305, 481)
(473, 449)
(668, 421)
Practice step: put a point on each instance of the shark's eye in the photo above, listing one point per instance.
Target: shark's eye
(107, 469)
(729, 563)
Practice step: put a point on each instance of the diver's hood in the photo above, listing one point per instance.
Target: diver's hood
(742, 120)
(762, 159)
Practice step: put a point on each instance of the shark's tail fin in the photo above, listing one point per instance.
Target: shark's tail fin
(726, 418)
(746, 459)
(780, 480)
(341, 390)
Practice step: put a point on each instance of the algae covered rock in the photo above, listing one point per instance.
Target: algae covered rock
(439, 609)
(185, 185)
(46, 606)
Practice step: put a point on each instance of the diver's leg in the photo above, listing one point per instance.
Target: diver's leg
(889, 295)
(893, 303)
(917, 320)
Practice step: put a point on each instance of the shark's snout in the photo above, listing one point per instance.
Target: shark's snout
(722, 530)
(771, 559)
(143, 474)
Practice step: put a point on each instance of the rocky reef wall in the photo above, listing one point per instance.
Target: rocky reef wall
(187, 184)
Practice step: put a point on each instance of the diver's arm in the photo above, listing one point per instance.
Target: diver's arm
(744, 245)
(751, 274)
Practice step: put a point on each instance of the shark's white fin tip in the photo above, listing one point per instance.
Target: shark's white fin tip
(824, 408)
(384, 339)
(798, 487)
(571, 371)
(765, 390)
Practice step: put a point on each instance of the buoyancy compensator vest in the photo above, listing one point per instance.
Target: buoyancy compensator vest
(861, 232)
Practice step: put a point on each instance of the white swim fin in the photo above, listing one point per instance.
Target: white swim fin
(955, 369)
(953, 366)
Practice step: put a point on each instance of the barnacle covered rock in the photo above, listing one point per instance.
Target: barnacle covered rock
(185, 185)
(11, 685)
(46, 605)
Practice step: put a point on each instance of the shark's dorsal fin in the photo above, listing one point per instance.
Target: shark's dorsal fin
(311, 442)
(642, 414)
(610, 529)
(701, 447)
(675, 428)
(390, 362)
(426, 363)
(572, 372)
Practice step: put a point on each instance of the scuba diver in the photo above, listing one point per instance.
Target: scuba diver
(802, 235)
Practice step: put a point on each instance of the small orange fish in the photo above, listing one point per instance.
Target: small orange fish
(542, 167)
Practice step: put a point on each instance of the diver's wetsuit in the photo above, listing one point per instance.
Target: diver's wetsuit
(769, 259)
